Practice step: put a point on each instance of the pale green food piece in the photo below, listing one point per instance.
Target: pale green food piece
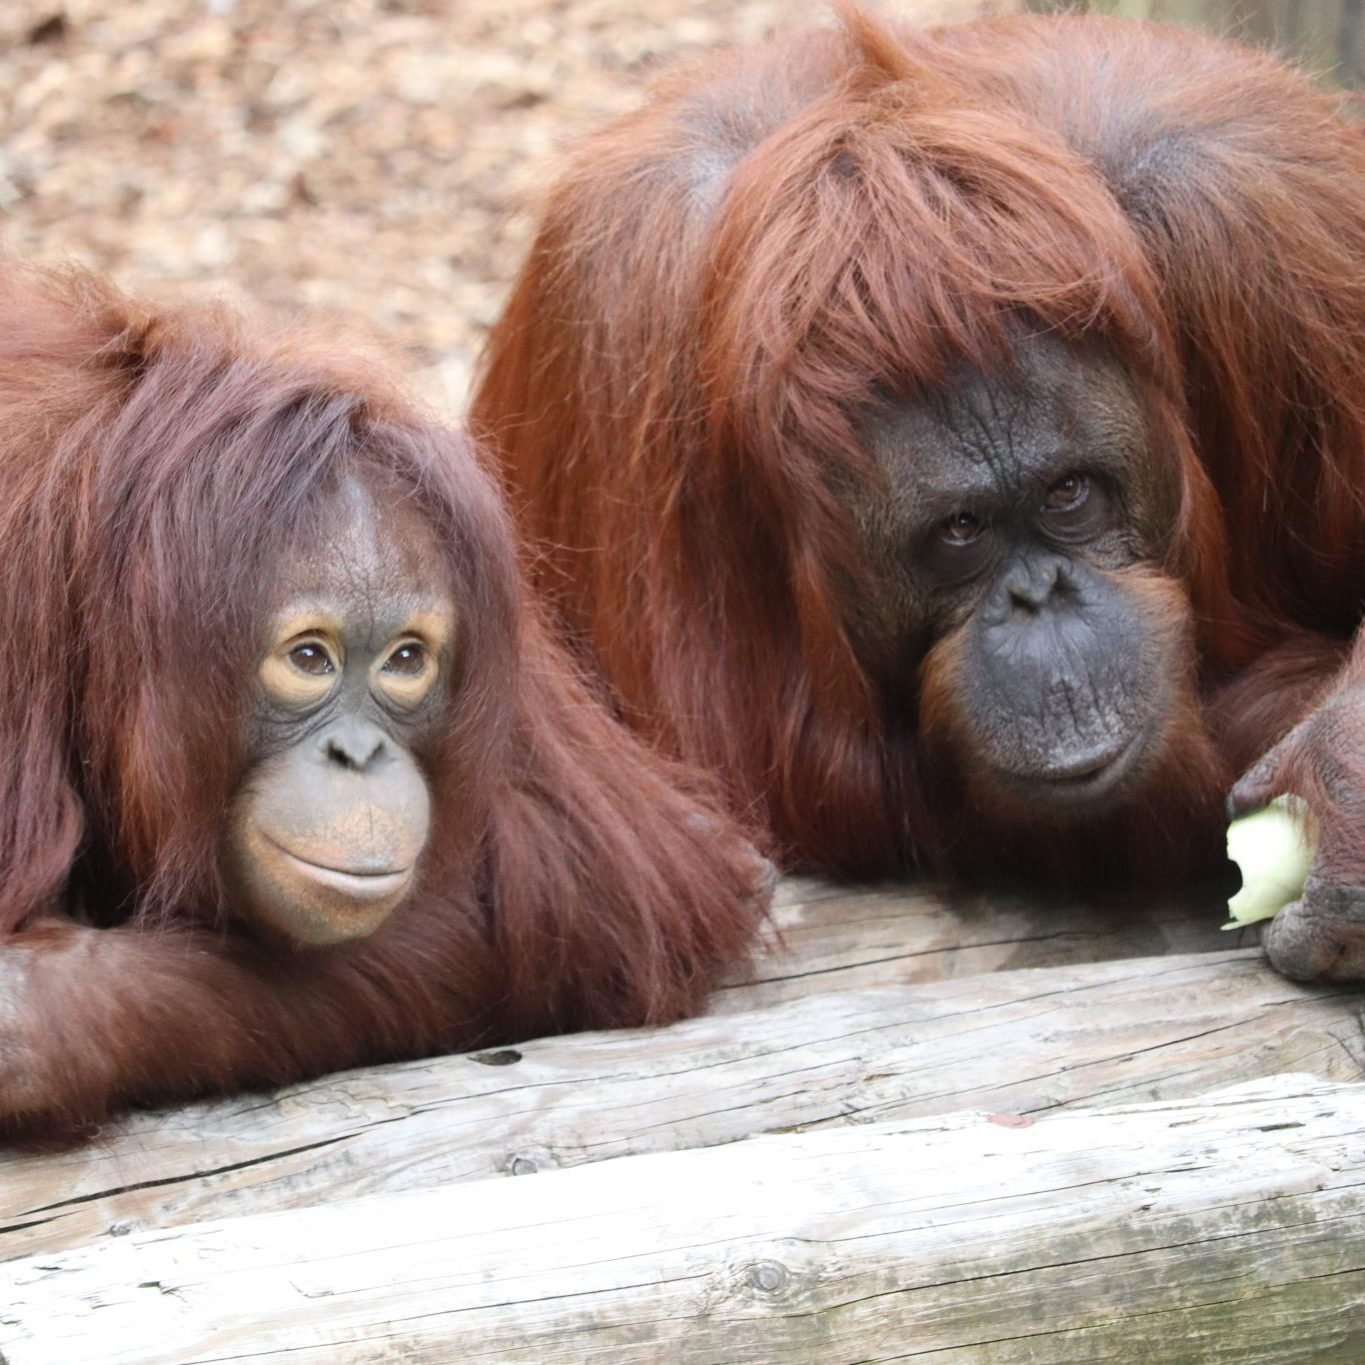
(1274, 849)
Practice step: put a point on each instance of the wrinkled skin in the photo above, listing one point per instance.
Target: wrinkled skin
(1007, 511)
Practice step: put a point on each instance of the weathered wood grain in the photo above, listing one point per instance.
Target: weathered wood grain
(1024, 1041)
(846, 938)
(1219, 1230)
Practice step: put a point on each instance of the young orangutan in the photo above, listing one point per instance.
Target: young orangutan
(290, 777)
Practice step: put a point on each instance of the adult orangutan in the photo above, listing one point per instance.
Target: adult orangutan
(956, 439)
(291, 779)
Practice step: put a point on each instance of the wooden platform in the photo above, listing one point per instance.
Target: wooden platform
(987, 1131)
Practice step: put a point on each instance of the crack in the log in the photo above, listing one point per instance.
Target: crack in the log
(19, 1227)
(1068, 1069)
(897, 957)
(192, 1175)
(963, 947)
(1171, 1311)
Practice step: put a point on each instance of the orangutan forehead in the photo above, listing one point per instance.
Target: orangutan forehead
(365, 554)
(1057, 407)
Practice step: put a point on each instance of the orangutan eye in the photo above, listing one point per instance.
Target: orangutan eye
(1070, 491)
(410, 660)
(962, 528)
(1076, 508)
(312, 658)
(958, 547)
(407, 673)
(301, 671)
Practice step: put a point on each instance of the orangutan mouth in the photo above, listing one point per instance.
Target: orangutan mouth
(360, 884)
(1086, 780)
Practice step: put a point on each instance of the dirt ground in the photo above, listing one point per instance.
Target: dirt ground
(379, 157)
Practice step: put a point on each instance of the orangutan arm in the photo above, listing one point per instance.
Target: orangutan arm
(93, 1019)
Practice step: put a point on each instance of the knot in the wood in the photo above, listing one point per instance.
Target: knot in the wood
(768, 1276)
(504, 1056)
(523, 1165)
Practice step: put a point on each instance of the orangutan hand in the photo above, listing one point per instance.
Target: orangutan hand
(1320, 936)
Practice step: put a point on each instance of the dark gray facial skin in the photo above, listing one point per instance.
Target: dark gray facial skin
(1008, 504)
(326, 833)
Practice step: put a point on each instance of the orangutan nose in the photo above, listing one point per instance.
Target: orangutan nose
(1031, 584)
(355, 745)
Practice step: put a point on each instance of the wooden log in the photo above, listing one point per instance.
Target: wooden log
(1225, 1229)
(1027, 1041)
(832, 938)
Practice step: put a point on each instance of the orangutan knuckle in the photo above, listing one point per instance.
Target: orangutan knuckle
(1322, 936)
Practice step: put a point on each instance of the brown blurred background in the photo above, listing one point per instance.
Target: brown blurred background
(380, 157)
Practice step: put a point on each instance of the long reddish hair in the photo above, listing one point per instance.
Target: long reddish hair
(155, 463)
(720, 280)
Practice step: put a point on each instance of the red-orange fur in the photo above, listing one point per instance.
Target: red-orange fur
(720, 280)
(153, 464)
